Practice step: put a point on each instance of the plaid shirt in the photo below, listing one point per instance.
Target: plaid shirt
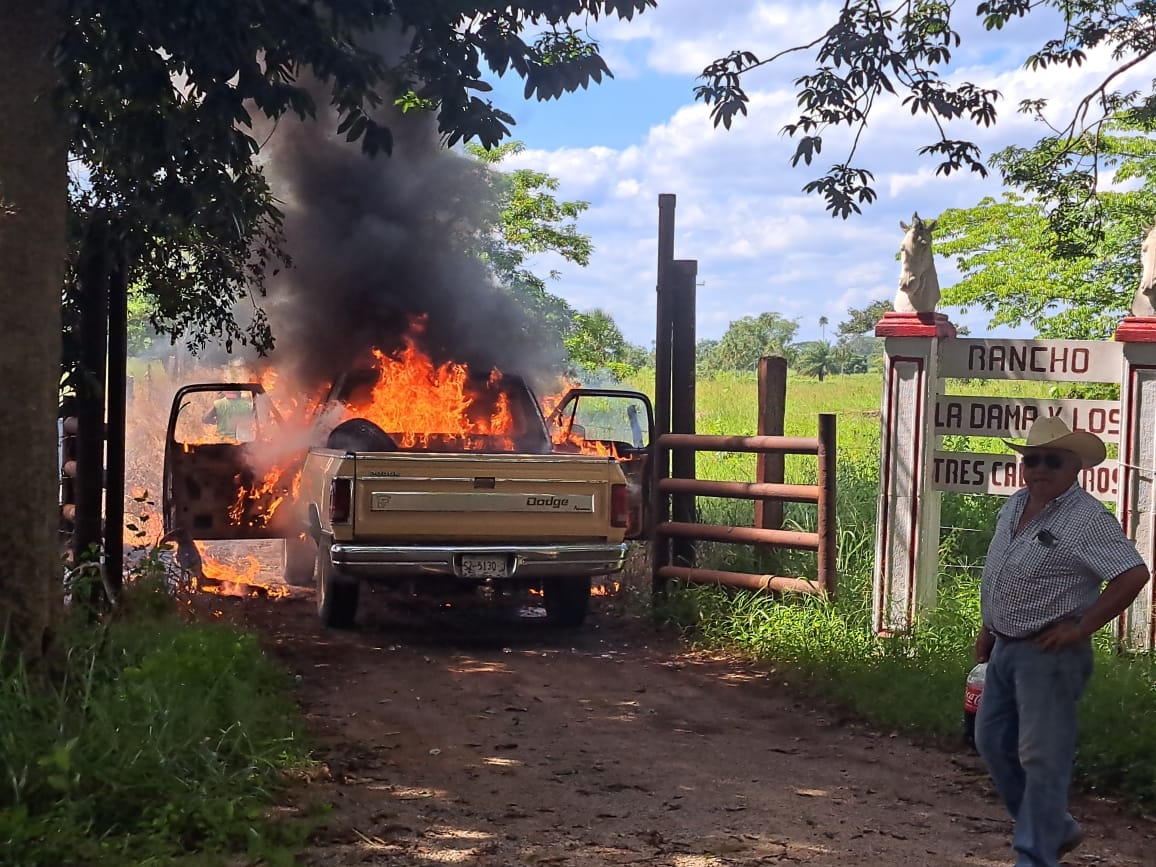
(1054, 568)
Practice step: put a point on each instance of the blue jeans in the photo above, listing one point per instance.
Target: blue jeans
(1025, 730)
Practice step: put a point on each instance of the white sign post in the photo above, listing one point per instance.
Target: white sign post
(1137, 503)
(907, 531)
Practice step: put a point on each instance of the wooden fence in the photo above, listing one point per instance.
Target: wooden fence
(822, 541)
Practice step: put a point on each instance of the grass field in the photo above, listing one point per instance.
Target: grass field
(914, 682)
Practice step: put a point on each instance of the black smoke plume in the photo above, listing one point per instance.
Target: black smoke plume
(375, 242)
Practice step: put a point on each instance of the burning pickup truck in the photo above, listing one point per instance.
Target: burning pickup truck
(432, 483)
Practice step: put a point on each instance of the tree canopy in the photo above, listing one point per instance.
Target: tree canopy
(595, 343)
(862, 320)
(531, 221)
(1068, 277)
(873, 52)
(816, 358)
(748, 339)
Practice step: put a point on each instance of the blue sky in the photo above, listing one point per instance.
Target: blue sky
(762, 245)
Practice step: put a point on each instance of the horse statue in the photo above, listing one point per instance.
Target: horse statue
(918, 283)
(1144, 302)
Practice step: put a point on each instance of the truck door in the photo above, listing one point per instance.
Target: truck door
(219, 482)
(614, 422)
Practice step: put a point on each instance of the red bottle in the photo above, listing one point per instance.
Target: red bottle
(972, 693)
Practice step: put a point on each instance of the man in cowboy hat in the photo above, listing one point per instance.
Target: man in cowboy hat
(1059, 567)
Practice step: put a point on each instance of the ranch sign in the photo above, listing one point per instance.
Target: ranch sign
(1002, 475)
(1051, 360)
(1084, 361)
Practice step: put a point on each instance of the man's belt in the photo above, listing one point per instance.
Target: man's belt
(1013, 639)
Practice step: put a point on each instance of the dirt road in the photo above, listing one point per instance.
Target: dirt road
(475, 740)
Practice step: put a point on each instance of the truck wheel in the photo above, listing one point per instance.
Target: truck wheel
(336, 593)
(567, 600)
(300, 562)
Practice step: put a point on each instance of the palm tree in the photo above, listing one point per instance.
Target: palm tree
(823, 328)
(816, 359)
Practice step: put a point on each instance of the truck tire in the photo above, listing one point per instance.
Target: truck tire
(360, 435)
(567, 601)
(300, 562)
(336, 593)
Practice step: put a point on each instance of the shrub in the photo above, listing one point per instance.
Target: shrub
(154, 738)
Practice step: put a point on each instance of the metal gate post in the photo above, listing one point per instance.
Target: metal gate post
(769, 468)
(827, 528)
(682, 400)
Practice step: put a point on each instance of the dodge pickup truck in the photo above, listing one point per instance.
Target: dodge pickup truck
(505, 504)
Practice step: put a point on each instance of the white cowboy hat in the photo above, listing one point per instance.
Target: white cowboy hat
(1052, 433)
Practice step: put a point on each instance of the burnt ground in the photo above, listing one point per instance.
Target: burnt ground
(476, 738)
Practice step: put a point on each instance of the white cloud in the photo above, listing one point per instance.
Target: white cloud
(683, 36)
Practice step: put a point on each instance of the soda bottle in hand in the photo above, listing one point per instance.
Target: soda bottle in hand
(972, 693)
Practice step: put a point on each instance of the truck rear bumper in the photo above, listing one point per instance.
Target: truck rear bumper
(535, 561)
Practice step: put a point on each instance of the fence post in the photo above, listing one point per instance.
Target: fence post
(907, 526)
(117, 409)
(663, 347)
(772, 414)
(92, 277)
(1136, 505)
(827, 524)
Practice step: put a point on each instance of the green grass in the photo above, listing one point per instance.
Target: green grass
(155, 741)
(913, 683)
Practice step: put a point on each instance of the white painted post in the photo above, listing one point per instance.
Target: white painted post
(907, 529)
(1137, 488)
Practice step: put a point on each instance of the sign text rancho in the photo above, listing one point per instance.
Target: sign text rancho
(1051, 360)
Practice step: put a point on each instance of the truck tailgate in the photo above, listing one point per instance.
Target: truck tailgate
(483, 498)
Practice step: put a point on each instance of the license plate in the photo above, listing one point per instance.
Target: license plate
(485, 566)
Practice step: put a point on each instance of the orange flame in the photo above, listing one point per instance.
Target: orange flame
(413, 399)
(417, 401)
(572, 441)
(241, 580)
(287, 403)
(257, 503)
(566, 439)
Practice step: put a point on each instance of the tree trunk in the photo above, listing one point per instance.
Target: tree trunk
(33, 210)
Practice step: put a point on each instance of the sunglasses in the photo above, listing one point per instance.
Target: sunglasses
(1052, 462)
